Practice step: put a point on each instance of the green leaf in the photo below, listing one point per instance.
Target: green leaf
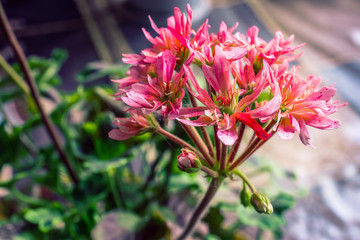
(47, 219)
(102, 166)
(129, 221)
(283, 202)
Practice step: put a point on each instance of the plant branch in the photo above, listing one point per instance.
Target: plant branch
(210, 193)
(10, 36)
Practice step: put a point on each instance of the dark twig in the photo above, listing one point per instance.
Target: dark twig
(10, 36)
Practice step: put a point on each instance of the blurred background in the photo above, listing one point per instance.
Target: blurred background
(99, 31)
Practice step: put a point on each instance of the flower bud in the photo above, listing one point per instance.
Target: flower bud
(245, 196)
(188, 161)
(261, 203)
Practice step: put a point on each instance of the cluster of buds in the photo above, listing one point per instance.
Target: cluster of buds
(227, 81)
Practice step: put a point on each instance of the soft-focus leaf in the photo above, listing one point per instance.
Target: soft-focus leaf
(47, 219)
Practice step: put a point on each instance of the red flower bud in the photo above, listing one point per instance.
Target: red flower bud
(188, 161)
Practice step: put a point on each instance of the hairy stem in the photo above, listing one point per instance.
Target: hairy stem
(210, 193)
(10, 36)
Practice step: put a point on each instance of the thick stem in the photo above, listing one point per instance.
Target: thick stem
(10, 36)
(194, 135)
(210, 193)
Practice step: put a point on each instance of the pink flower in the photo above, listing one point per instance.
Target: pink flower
(163, 91)
(303, 105)
(129, 127)
(275, 51)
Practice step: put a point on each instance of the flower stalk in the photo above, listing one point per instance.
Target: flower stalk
(210, 193)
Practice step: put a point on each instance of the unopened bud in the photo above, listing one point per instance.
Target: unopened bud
(245, 196)
(261, 203)
(188, 161)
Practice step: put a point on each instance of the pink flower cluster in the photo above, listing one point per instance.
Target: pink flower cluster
(221, 80)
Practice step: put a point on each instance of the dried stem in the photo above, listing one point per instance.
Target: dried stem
(10, 36)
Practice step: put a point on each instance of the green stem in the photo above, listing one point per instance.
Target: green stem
(245, 179)
(210, 193)
(10, 36)
(111, 176)
(210, 172)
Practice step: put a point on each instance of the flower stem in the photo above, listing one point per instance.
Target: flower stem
(223, 156)
(194, 135)
(237, 143)
(253, 146)
(217, 144)
(203, 130)
(177, 140)
(210, 172)
(10, 36)
(210, 193)
(208, 142)
(245, 179)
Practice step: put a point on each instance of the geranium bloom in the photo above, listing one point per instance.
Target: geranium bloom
(162, 91)
(303, 104)
(226, 105)
(129, 127)
(244, 80)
